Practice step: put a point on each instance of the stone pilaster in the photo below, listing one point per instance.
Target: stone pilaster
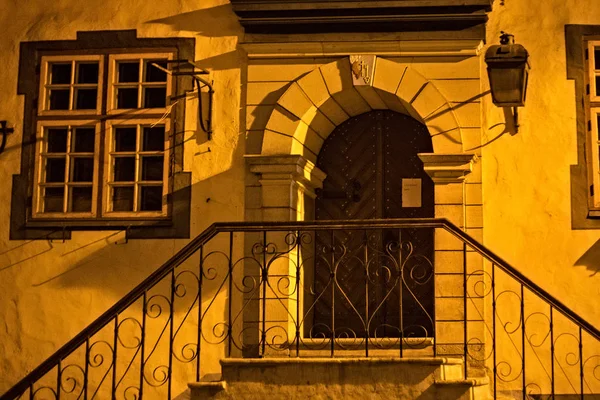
(448, 172)
(286, 186)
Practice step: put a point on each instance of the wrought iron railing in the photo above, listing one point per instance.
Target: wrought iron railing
(401, 287)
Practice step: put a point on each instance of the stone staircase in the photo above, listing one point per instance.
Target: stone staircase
(423, 378)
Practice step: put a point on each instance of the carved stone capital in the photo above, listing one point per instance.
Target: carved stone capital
(275, 170)
(448, 168)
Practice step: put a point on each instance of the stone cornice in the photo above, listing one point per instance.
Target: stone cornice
(390, 48)
(305, 16)
(448, 168)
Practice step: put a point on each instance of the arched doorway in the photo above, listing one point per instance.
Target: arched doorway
(383, 280)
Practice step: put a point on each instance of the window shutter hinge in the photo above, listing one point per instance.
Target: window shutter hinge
(592, 190)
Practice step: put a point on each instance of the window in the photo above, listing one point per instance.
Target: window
(102, 137)
(133, 142)
(592, 55)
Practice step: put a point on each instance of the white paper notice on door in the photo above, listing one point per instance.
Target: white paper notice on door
(411, 193)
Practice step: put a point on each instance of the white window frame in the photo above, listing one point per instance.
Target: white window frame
(38, 199)
(108, 169)
(103, 118)
(592, 110)
(45, 85)
(113, 59)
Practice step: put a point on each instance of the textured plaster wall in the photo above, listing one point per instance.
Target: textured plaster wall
(526, 182)
(50, 290)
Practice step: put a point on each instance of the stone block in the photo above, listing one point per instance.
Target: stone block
(306, 135)
(474, 216)
(257, 117)
(473, 193)
(280, 70)
(444, 240)
(447, 142)
(352, 102)
(371, 97)
(276, 143)
(282, 121)
(459, 90)
(453, 67)
(443, 120)
(476, 233)
(277, 193)
(314, 87)
(428, 101)
(253, 197)
(332, 110)
(453, 213)
(279, 214)
(471, 138)
(264, 93)
(411, 84)
(468, 115)
(318, 122)
(387, 75)
(295, 101)
(449, 285)
(451, 193)
(475, 175)
(337, 75)
(448, 261)
(393, 102)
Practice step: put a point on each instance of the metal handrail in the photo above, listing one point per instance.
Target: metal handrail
(245, 227)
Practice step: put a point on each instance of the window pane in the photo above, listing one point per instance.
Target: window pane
(55, 169)
(597, 58)
(87, 73)
(151, 198)
(53, 199)
(125, 139)
(154, 138)
(84, 140)
(154, 74)
(60, 74)
(152, 168)
(155, 97)
(122, 198)
(85, 99)
(81, 199)
(127, 98)
(57, 140)
(83, 169)
(129, 72)
(124, 169)
(59, 99)
(597, 85)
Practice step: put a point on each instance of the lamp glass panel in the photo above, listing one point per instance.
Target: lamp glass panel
(507, 85)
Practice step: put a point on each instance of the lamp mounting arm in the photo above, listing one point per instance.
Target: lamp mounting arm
(4, 130)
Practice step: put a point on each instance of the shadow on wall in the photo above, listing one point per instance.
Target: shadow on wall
(590, 259)
(218, 21)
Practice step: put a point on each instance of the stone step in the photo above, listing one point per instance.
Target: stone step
(425, 378)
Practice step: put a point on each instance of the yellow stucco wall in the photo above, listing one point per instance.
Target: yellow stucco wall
(527, 188)
(50, 289)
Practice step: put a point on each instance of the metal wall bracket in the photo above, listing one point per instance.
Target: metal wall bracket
(4, 130)
(189, 68)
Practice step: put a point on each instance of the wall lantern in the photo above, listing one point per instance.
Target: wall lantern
(508, 70)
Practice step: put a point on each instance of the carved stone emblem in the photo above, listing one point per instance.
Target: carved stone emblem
(362, 67)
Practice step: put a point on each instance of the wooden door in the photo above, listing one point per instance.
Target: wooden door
(378, 282)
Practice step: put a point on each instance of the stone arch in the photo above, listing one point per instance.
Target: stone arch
(315, 104)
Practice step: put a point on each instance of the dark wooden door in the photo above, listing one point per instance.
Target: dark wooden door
(375, 281)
